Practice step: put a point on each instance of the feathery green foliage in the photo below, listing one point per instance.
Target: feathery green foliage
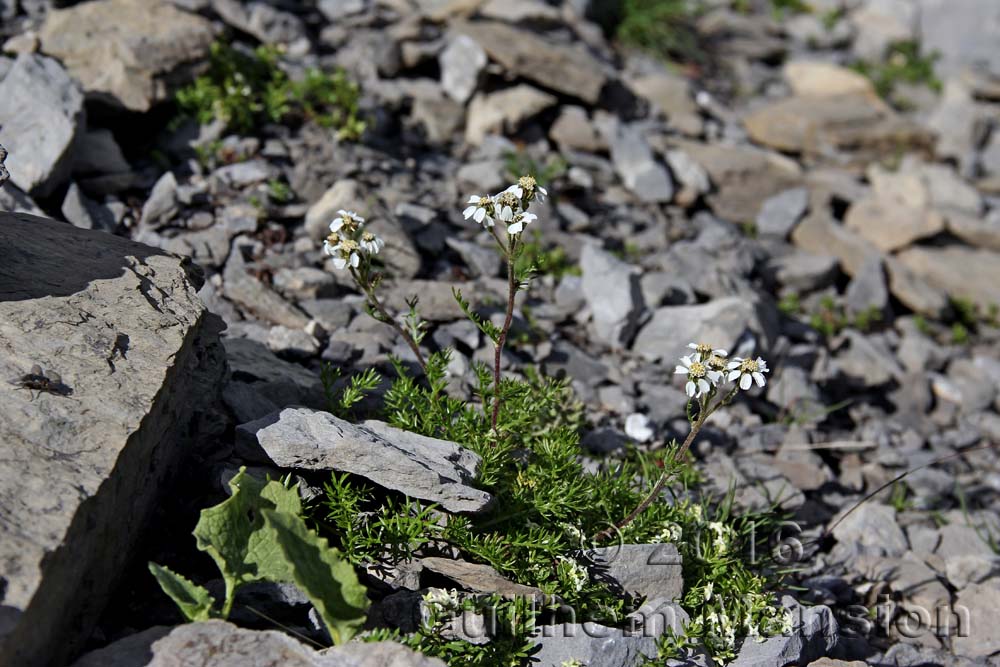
(245, 89)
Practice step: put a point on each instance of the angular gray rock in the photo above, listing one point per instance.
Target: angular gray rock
(41, 113)
(477, 577)
(266, 23)
(81, 469)
(125, 52)
(503, 111)
(462, 62)
(643, 570)
(591, 644)
(872, 525)
(86, 213)
(258, 298)
(222, 644)
(565, 69)
(814, 634)
(780, 213)
(959, 271)
(720, 323)
(633, 158)
(611, 288)
(130, 651)
(421, 467)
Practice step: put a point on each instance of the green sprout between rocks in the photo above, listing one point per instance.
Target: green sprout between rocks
(244, 89)
(663, 28)
(258, 534)
(549, 509)
(903, 64)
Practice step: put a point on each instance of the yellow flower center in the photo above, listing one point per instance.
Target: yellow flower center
(509, 199)
(703, 349)
(749, 366)
(527, 182)
(368, 237)
(697, 369)
(348, 246)
(333, 238)
(716, 362)
(483, 202)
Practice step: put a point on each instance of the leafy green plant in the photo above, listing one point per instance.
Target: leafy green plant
(244, 89)
(664, 28)
(903, 63)
(258, 534)
(549, 508)
(360, 385)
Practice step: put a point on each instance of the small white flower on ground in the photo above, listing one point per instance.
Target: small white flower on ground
(480, 209)
(516, 189)
(508, 205)
(701, 379)
(520, 222)
(747, 372)
(346, 253)
(371, 244)
(708, 591)
(705, 350)
(348, 219)
(638, 428)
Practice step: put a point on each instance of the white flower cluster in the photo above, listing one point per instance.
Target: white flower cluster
(439, 601)
(572, 573)
(707, 368)
(348, 243)
(509, 207)
(671, 532)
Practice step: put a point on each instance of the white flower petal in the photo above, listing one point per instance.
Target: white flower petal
(355, 259)
(745, 382)
(480, 214)
(759, 379)
(689, 389)
(473, 199)
(703, 386)
(732, 375)
(339, 262)
(336, 225)
(469, 212)
(515, 228)
(680, 369)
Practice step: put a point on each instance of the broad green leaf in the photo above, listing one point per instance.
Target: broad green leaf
(233, 529)
(193, 600)
(317, 569)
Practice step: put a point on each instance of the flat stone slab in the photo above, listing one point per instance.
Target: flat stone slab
(81, 465)
(425, 468)
(222, 644)
(645, 570)
(477, 577)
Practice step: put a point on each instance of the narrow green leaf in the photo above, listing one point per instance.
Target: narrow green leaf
(330, 582)
(193, 600)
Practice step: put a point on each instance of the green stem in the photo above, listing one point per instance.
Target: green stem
(502, 338)
(658, 487)
(388, 319)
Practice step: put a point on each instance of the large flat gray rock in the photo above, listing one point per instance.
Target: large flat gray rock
(222, 644)
(425, 468)
(79, 473)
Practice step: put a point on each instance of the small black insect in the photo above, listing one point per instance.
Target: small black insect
(38, 380)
